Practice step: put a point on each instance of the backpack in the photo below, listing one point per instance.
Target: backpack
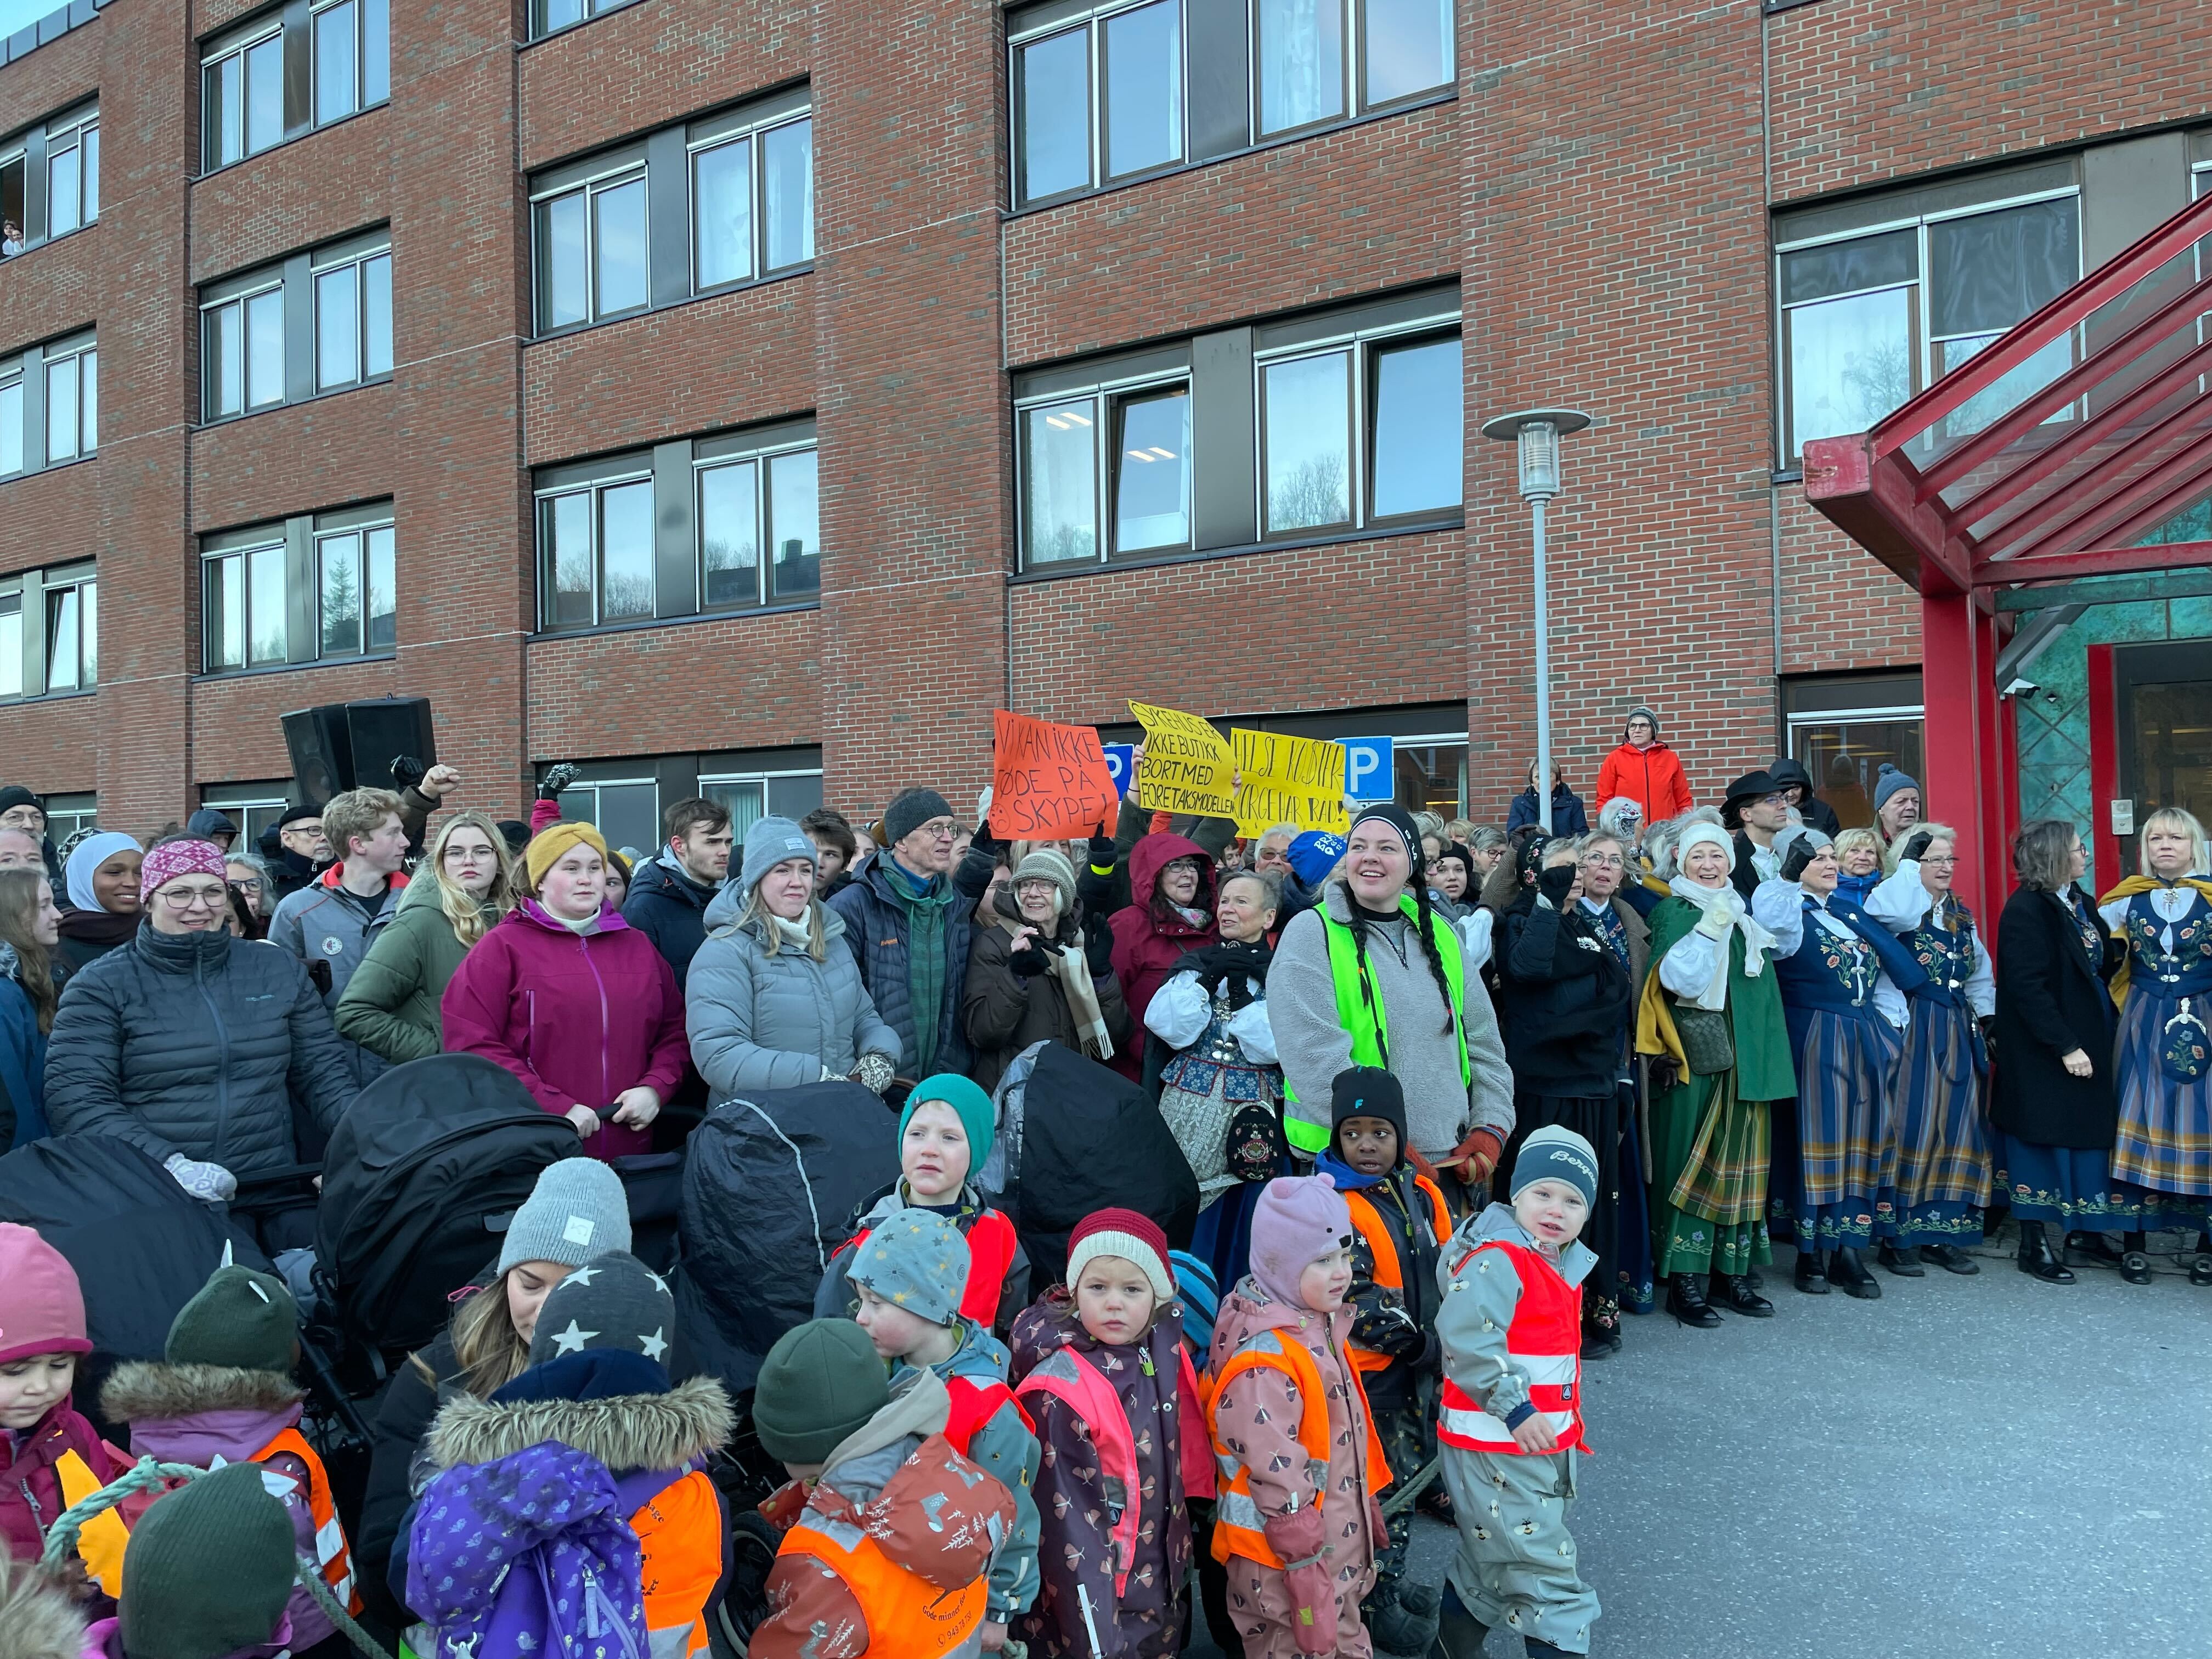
(424, 1171)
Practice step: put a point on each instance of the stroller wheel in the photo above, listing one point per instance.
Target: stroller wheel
(753, 1544)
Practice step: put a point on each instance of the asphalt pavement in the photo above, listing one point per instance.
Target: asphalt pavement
(1985, 1467)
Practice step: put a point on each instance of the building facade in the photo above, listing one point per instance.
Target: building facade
(752, 396)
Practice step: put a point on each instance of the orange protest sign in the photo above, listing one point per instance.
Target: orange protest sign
(1049, 782)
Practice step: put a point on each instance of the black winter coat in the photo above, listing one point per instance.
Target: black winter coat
(2049, 1002)
(402, 1419)
(669, 908)
(877, 928)
(1003, 1010)
(197, 1044)
(1563, 1002)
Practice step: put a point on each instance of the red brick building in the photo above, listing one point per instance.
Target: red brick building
(763, 391)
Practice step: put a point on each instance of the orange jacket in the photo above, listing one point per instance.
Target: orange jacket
(1652, 778)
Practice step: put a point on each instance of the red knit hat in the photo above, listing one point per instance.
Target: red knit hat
(41, 1308)
(1124, 1233)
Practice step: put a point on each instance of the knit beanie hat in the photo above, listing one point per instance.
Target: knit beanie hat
(769, 843)
(1786, 839)
(612, 1301)
(1132, 1236)
(1045, 865)
(1368, 1091)
(240, 1318)
(918, 1259)
(1888, 781)
(1399, 819)
(1298, 1220)
(171, 858)
(577, 1210)
(41, 1304)
(1555, 1153)
(977, 1116)
(910, 810)
(820, 1382)
(548, 844)
(1314, 854)
(207, 1570)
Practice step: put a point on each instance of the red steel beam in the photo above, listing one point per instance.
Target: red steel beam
(2094, 561)
(2104, 521)
(2088, 495)
(1870, 499)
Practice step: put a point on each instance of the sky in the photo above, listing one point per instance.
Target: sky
(14, 14)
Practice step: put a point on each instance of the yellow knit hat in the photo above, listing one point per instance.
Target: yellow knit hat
(548, 844)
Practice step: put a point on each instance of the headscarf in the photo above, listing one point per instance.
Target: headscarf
(1724, 904)
(90, 855)
(173, 858)
(547, 845)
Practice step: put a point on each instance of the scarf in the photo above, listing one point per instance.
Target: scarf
(1068, 964)
(1722, 903)
(798, 932)
(2127, 890)
(925, 900)
(105, 929)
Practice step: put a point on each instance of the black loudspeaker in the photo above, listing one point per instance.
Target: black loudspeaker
(384, 731)
(321, 750)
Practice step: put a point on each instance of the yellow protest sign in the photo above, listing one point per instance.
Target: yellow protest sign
(1187, 767)
(1287, 780)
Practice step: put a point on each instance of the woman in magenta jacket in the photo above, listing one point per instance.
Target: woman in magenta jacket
(574, 1002)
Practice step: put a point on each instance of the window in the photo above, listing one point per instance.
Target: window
(49, 405)
(752, 199)
(753, 501)
(318, 322)
(353, 317)
(353, 58)
(69, 815)
(547, 16)
(1144, 477)
(311, 588)
(242, 351)
(11, 644)
(1106, 92)
(753, 796)
(50, 631)
(1842, 731)
(340, 57)
(253, 807)
(11, 419)
(72, 635)
(1314, 407)
(72, 175)
(598, 554)
(625, 810)
(590, 250)
(1868, 318)
(242, 97)
(50, 180)
(72, 402)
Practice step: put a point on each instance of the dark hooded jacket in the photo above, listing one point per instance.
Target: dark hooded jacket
(1007, 1003)
(670, 909)
(1792, 775)
(1150, 937)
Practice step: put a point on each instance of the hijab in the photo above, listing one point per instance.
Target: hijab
(91, 853)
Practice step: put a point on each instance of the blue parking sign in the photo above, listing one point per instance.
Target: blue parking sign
(1120, 758)
(1367, 768)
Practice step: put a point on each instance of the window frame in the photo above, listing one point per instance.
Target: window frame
(595, 489)
(1106, 396)
(360, 256)
(237, 45)
(77, 129)
(256, 286)
(760, 456)
(1093, 23)
(298, 542)
(635, 169)
(752, 128)
(14, 377)
(591, 11)
(82, 582)
(81, 349)
(361, 55)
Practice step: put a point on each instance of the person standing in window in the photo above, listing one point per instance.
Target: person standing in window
(668, 898)
(1645, 769)
(104, 904)
(335, 920)
(30, 927)
(11, 239)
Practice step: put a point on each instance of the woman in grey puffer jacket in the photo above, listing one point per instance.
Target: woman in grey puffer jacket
(774, 999)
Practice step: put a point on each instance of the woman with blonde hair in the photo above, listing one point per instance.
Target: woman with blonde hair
(464, 886)
(1862, 861)
(775, 998)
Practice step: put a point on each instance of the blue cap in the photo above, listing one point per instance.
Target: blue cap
(1314, 854)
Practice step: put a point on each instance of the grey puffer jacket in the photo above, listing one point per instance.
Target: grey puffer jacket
(763, 1021)
(196, 1044)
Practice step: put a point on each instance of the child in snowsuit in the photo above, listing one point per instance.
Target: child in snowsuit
(585, 1474)
(50, 1454)
(1399, 1222)
(889, 1533)
(1287, 1407)
(909, 1274)
(946, 1130)
(208, 1574)
(223, 1392)
(1512, 1330)
(1101, 1366)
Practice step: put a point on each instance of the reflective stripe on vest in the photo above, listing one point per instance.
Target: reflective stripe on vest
(1543, 1344)
(991, 1242)
(679, 1535)
(329, 1537)
(905, 1613)
(100, 1541)
(975, 1404)
(1383, 1245)
(1239, 1528)
(1361, 1014)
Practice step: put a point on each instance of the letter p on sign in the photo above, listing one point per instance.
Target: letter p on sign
(1367, 768)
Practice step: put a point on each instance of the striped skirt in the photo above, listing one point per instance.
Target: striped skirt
(1943, 1147)
(2164, 1141)
(1846, 1111)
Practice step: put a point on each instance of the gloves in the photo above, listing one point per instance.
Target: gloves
(1098, 949)
(875, 1072)
(1801, 854)
(1298, 1542)
(1916, 845)
(210, 1182)
(1029, 961)
(1555, 881)
(1476, 1156)
(318, 970)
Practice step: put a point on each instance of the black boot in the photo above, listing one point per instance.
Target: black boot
(1951, 1259)
(2098, 1246)
(1848, 1273)
(1903, 1260)
(2135, 1259)
(1734, 1292)
(1458, 1635)
(2200, 1269)
(2038, 1260)
(1396, 1625)
(1809, 1279)
(1686, 1300)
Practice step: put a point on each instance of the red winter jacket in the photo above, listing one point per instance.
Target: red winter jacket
(1652, 778)
(1145, 947)
(30, 1490)
(578, 1017)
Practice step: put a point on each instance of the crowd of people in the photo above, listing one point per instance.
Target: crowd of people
(1456, 1098)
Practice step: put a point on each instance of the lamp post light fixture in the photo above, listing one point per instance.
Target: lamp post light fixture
(1538, 432)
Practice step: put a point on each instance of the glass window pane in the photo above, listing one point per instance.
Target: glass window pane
(225, 347)
(377, 305)
(1144, 88)
(89, 382)
(269, 634)
(63, 185)
(567, 532)
(1843, 756)
(383, 607)
(375, 51)
(1409, 47)
(787, 193)
(1989, 272)
(341, 606)
(11, 427)
(1055, 119)
(224, 115)
(1301, 62)
(745, 802)
(626, 551)
(11, 650)
(91, 146)
(618, 247)
(336, 72)
(729, 534)
(563, 288)
(61, 640)
(1850, 267)
(222, 615)
(794, 526)
(1851, 363)
(337, 327)
(723, 212)
(1994, 402)
(1151, 470)
(265, 349)
(1417, 453)
(61, 410)
(1060, 482)
(630, 817)
(559, 14)
(89, 604)
(1306, 422)
(265, 94)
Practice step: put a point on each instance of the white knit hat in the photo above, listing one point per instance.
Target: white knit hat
(1115, 1232)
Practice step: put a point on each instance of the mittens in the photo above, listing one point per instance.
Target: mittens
(1555, 881)
(1801, 854)
(1297, 1541)
(210, 1182)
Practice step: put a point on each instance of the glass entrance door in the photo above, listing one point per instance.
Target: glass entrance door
(2165, 706)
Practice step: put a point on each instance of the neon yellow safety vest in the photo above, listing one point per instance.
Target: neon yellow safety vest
(1361, 1013)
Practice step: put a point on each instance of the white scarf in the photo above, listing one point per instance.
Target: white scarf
(1724, 904)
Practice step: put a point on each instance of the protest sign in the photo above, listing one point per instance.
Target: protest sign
(1049, 782)
(1287, 780)
(1187, 767)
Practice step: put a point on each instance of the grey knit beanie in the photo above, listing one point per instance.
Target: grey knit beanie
(917, 1260)
(769, 843)
(1045, 865)
(1555, 1153)
(576, 1210)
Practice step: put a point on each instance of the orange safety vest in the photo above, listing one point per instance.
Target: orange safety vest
(1383, 1245)
(1544, 1343)
(991, 1242)
(1239, 1528)
(905, 1613)
(331, 1553)
(100, 1542)
(679, 1535)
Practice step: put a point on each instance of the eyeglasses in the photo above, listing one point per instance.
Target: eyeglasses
(1781, 799)
(302, 827)
(187, 898)
(1946, 858)
(250, 886)
(1607, 860)
(940, 829)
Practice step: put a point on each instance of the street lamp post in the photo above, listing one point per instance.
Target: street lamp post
(1538, 432)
